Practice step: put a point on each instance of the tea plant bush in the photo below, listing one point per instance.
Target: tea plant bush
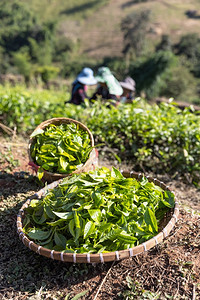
(25, 109)
(158, 138)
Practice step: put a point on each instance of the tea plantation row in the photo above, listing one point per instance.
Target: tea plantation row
(157, 138)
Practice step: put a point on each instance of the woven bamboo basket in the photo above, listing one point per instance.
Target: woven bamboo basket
(167, 225)
(89, 165)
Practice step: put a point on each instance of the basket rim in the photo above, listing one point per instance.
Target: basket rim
(66, 120)
(98, 257)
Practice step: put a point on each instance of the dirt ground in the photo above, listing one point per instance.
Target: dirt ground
(169, 271)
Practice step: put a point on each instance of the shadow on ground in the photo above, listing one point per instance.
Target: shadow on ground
(80, 8)
(132, 2)
(18, 182)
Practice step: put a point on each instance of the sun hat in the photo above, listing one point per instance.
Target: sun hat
(128, 84)
(104, 75)
(86, 77)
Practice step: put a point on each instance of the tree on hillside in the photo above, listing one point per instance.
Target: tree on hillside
(18, 23)
(162, 74)
(165, 43)
(20, 28)
(135, 28)
(148, 72)
(179, 83)
(189, 47)
(21, 60)
(28, 45)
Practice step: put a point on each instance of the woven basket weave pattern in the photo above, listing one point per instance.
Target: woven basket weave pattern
(167, 225)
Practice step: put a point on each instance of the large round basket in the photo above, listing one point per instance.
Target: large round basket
(89, 165)
(166, 226)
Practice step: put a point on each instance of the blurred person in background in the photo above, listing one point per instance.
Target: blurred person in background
(108, 87)
(80, 86)
(128, 85)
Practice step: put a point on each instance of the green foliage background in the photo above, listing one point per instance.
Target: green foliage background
(41, 47)
(158, 138)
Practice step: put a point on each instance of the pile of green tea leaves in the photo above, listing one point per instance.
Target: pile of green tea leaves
(60, 149)
(98, 211)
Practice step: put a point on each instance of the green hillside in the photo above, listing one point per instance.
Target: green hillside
(155, 42)
(101, 31)
(79, 9)
(97, 23)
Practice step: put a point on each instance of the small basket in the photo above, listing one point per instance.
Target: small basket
(167, 225)
(90, 164)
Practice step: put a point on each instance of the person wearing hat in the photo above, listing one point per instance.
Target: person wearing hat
(128, 85)
(108, 86)
(79, 86)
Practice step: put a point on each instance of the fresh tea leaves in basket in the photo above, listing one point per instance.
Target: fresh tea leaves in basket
(60, 148)
(97, 212)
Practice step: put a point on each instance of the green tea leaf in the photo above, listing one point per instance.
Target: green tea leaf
(126, 238)
(71, 228)
(49, 212)
(116, 173)
(78, 296)
(95, 214)
(64, 215)
(40, 173)
(34, 203)
(98, 198)
(40, 219)
(63, 162)
(112, 235)
(77, 233)
(169, 198)
(36, 132)
(38, 234)
(76, 219)
(138, 229)
(60, 239)
(150, 219)
(89, 228)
